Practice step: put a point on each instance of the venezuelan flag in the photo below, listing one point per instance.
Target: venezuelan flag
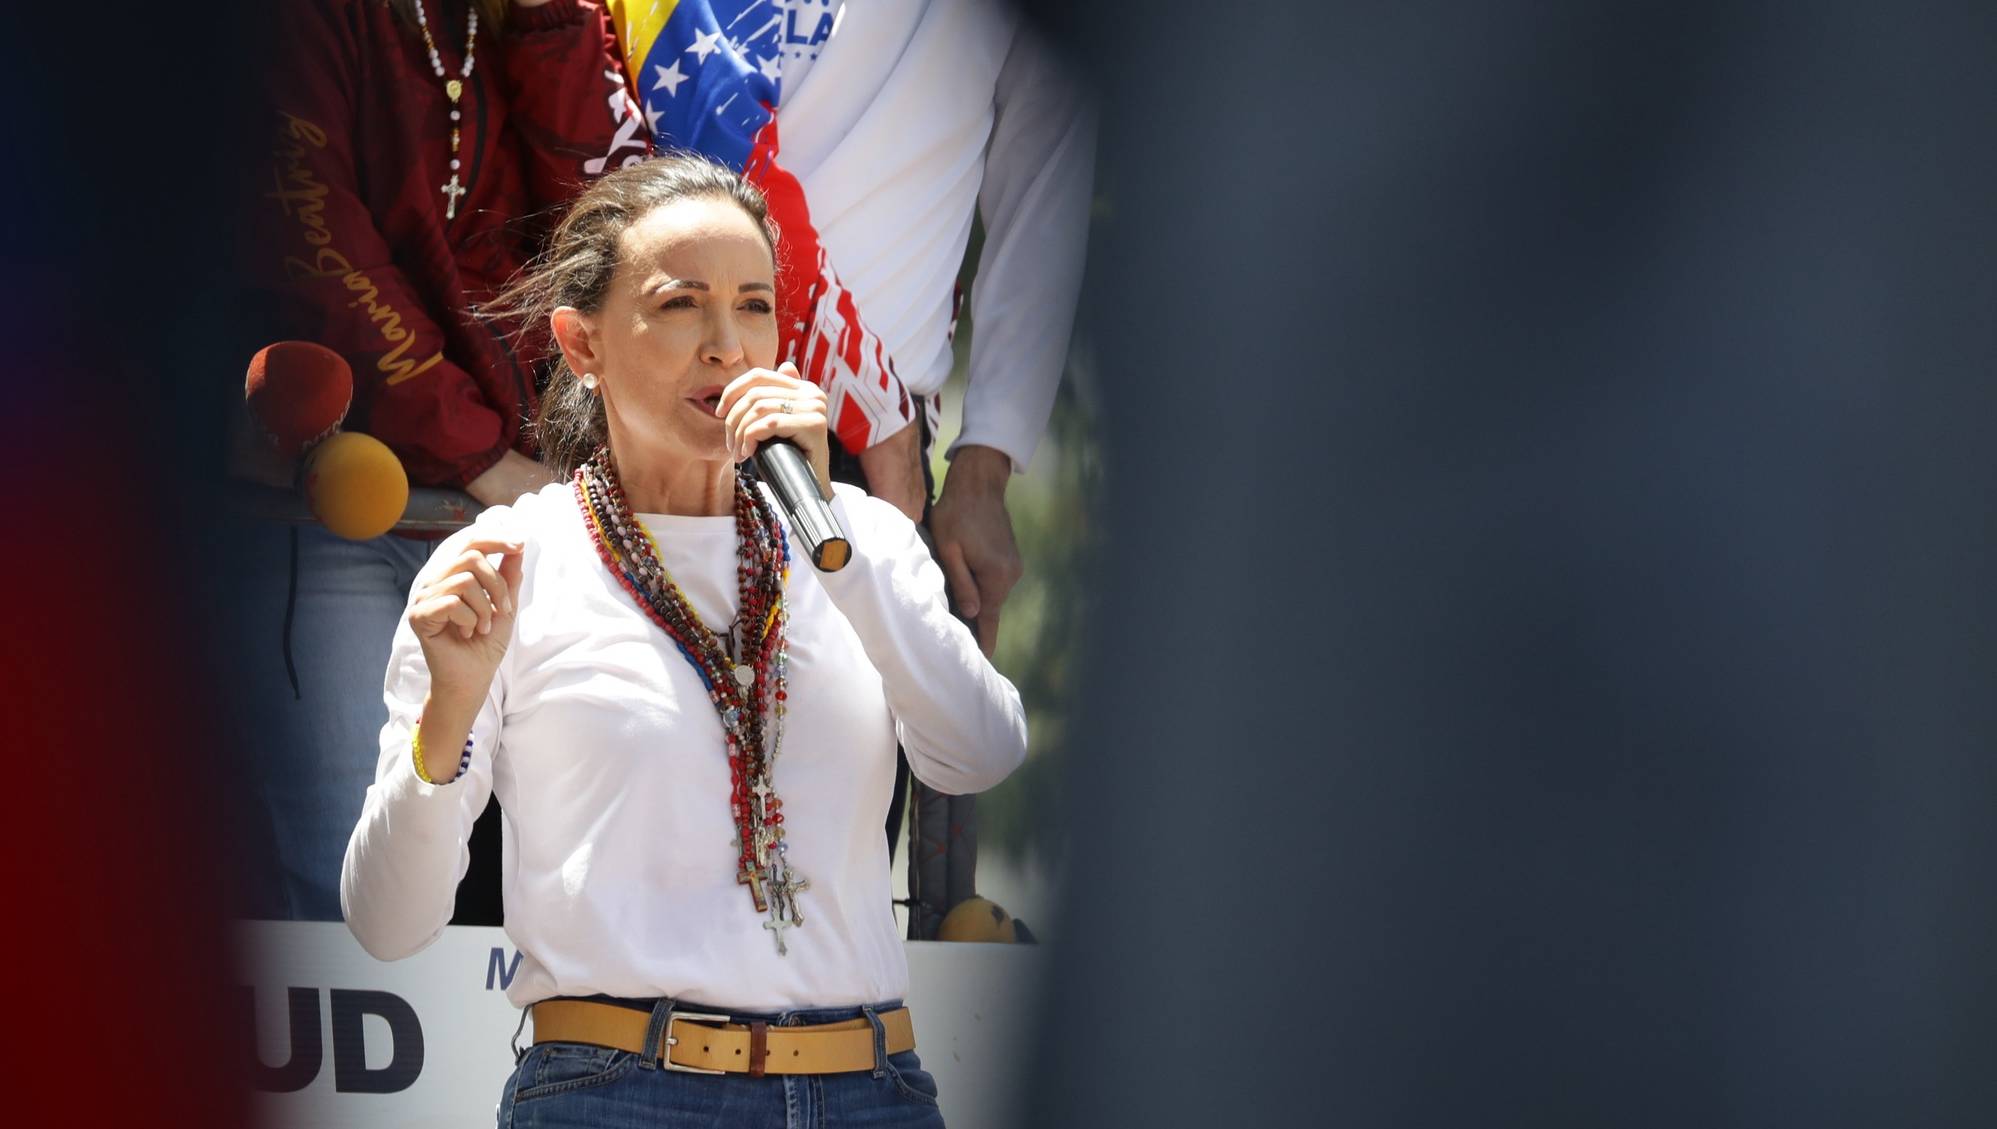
(708, 71)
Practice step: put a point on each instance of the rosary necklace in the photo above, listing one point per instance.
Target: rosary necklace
(747, 688)
(453, 87)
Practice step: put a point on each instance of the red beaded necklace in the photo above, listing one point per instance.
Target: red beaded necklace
(749, 694)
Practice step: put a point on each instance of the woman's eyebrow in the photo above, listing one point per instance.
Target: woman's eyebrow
(675, 284)
(695, 284)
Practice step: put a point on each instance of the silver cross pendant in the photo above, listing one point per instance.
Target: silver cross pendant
(777, 925)
(451, 192)
(784, 891)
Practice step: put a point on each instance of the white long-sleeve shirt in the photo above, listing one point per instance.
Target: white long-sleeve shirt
(617, 866)
(911, 117)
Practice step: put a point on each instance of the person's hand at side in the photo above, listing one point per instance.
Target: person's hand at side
(463, 620)
(508, 480)
(974, 542)
(893, 468)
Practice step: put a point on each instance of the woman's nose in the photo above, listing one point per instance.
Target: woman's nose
(723, 347)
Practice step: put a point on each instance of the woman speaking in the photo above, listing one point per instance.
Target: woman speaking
(690, 730)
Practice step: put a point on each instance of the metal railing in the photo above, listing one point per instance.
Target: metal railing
(430, 510)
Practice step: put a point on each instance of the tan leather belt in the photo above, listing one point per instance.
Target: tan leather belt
(709, 1044)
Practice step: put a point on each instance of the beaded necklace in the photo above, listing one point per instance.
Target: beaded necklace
(452, 87)
(748, 694)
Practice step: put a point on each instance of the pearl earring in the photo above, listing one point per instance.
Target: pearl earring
(589, 381)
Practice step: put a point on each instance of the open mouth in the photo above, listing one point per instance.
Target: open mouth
(708, 398)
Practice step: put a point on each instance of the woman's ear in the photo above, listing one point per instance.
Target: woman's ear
(575, 332)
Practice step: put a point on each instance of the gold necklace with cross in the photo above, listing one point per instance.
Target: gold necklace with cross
(454, 88)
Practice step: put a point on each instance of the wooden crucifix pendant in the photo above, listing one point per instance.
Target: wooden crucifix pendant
(753, 878)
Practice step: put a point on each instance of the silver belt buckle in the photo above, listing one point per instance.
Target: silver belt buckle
(666, 1053)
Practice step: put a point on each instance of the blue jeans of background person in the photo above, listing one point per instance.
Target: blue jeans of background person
(574, 1085)
(311, 695)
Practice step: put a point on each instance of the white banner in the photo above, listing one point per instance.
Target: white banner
(345, 1040)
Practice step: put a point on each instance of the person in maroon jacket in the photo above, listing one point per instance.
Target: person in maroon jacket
(418, 149)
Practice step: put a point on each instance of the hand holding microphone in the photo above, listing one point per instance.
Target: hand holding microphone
(298, 393)
(779, 421)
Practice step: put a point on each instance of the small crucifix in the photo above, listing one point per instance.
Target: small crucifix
(452, 191)
(777, 925)
(753, 878)
(453, 88)
(787, 889)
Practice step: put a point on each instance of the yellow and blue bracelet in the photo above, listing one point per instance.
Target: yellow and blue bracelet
(416, 751)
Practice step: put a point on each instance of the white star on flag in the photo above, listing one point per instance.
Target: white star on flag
(652, 114)
(705, 44)
(772, 66)
(670, 78)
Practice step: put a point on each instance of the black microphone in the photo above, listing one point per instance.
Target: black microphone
(784, 467)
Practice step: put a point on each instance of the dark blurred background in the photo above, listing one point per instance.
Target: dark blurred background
(1541, 646)
(121, 125)
(1545, 663)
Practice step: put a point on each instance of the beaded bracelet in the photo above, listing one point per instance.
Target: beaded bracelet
(416, 751)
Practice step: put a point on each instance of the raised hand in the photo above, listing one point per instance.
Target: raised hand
(464, 618)
(761, 405)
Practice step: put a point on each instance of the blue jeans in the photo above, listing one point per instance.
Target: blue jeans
(312, 699)
(563, 1085)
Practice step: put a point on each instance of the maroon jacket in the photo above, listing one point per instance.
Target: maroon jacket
(351, 247)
